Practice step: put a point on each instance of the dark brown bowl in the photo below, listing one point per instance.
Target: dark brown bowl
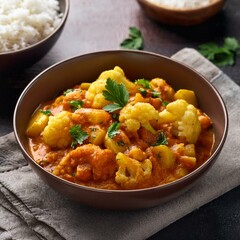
(181, 17)
(22, 58)
(136, 64)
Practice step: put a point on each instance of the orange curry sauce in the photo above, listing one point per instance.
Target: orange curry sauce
(127, 160)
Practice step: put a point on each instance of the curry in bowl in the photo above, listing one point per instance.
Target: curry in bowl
(119, 134)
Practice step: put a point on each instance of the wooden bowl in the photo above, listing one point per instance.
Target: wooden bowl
(181, 17)
(136, 64)
(22, 58)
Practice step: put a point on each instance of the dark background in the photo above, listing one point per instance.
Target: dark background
(98, 25)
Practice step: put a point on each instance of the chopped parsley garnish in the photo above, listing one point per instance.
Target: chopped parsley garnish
(76, 104)
(161, 139)
(68, 91)
(221, 55)
(146, 88)
(78, 135)
(116, 93)
(113, 129)
(143, 82)
(156, 94)
(134, 40)
(121, 143)
(46, 112)
(165, 103)
(142, 91)
(115, 116)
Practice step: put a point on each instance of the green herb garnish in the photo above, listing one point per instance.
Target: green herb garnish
(78, 135)
(221, 55)
(115, 116)
(68, 91)
(146, 84)
(143, 82)
(134, 41)
(142, 91)
(161, 139)
(116, 93)
(121, 143)
(46, 112)
(156, 94)
(76, 104)
(113, 130)
(165, 103)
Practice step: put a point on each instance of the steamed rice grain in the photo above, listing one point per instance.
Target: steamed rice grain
(182, 4)
(25, 22)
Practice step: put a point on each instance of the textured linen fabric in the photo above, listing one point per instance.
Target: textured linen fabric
(31, 210)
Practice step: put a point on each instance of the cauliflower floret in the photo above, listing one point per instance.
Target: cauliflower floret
(118, 75)
(160, 85)
(94, 93)
(131, 172)
(136, 115)
(187, 123)
(56, 133)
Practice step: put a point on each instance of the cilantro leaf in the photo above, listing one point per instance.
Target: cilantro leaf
(121, 143)
(143, 82)
(78, 135)
(76, 104)
(221, 55)
(116, 93)
(46, 112)
(134, 41)
(68, 91)
(156, 94)
(161, 139)
(113, 129)
(112, 107)
(146, 85)
(231, 44)
(165, 103)
(142, 91)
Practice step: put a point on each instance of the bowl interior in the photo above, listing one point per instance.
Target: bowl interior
(135, 64)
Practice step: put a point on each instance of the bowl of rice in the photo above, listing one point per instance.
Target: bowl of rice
(181, 12)
(28, 30)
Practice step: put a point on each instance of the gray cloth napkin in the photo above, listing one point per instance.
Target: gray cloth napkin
(31, 210)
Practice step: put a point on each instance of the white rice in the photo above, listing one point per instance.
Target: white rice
(25, 22)
(182, 4)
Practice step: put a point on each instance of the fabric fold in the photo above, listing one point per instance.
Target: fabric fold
(38, 212)
(18, 204)
(9, 154)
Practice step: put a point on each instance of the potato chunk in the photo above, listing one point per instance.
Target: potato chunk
(37, 124)
(164, 156)
(187, 95)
